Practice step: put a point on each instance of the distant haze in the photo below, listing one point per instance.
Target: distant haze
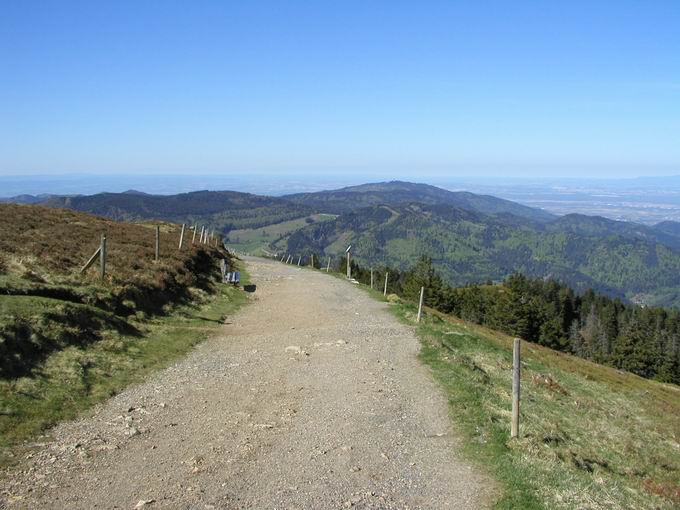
(648, 200)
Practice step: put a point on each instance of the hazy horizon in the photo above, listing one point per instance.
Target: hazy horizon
(280, 184)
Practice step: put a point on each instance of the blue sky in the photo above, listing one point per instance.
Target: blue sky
(374, 88)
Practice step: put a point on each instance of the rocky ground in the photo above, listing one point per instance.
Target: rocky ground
(311, 397)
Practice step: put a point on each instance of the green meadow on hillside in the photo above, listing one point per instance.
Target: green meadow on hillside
(254, 240)
(590, 436)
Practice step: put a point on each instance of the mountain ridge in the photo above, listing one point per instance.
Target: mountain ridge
(397, 192)
(472, 247)
(471, 237)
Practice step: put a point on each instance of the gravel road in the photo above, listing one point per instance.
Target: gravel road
(311, 397)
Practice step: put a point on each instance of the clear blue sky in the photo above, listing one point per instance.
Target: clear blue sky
(376, 87)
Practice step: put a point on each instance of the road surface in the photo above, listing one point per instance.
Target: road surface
(310, 397)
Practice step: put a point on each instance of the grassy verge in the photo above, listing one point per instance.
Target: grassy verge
(71, 380)
(590, 436)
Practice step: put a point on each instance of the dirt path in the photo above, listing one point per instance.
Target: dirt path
(311, 398)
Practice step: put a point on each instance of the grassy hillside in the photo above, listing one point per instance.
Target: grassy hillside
(397, 192)
(67, 339)
(620, 260)
(590, 436)
(222, 210)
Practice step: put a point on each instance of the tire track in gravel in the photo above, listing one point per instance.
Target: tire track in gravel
(311, 398)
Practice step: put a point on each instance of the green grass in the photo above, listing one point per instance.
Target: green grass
(590, 436)
(253, 240)
(73, 379)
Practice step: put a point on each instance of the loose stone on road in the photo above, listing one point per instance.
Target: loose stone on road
(312, 397)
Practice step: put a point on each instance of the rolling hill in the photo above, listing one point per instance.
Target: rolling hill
(471, 237)
(222, 210)
(619, 259)
(398, 192)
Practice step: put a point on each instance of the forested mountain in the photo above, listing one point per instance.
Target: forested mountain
(619, 259)
(671, 228)
(471, 238)
(642, 340)
(580, 224)
(29, 199)
(398, 192)
(223, 210)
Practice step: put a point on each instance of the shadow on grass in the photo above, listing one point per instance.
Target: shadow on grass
(25, 342)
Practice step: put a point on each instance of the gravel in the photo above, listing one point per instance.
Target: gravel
(311, 397)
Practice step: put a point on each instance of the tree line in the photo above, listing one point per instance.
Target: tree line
(642, 340)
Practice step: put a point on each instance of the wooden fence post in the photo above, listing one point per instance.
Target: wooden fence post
(223, 269)
(385, 291)
(299, 259)
(349, 265)
(200, 239)
(328, 266)
(158, 244)
(181, 237)
(420, 303)
(102, 257)
(514, 428)
(312, 263)
(91, 260)
(371, 278)
(193, 239)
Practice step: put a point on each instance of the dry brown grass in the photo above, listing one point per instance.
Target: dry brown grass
(57, 242)
(41, 286)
